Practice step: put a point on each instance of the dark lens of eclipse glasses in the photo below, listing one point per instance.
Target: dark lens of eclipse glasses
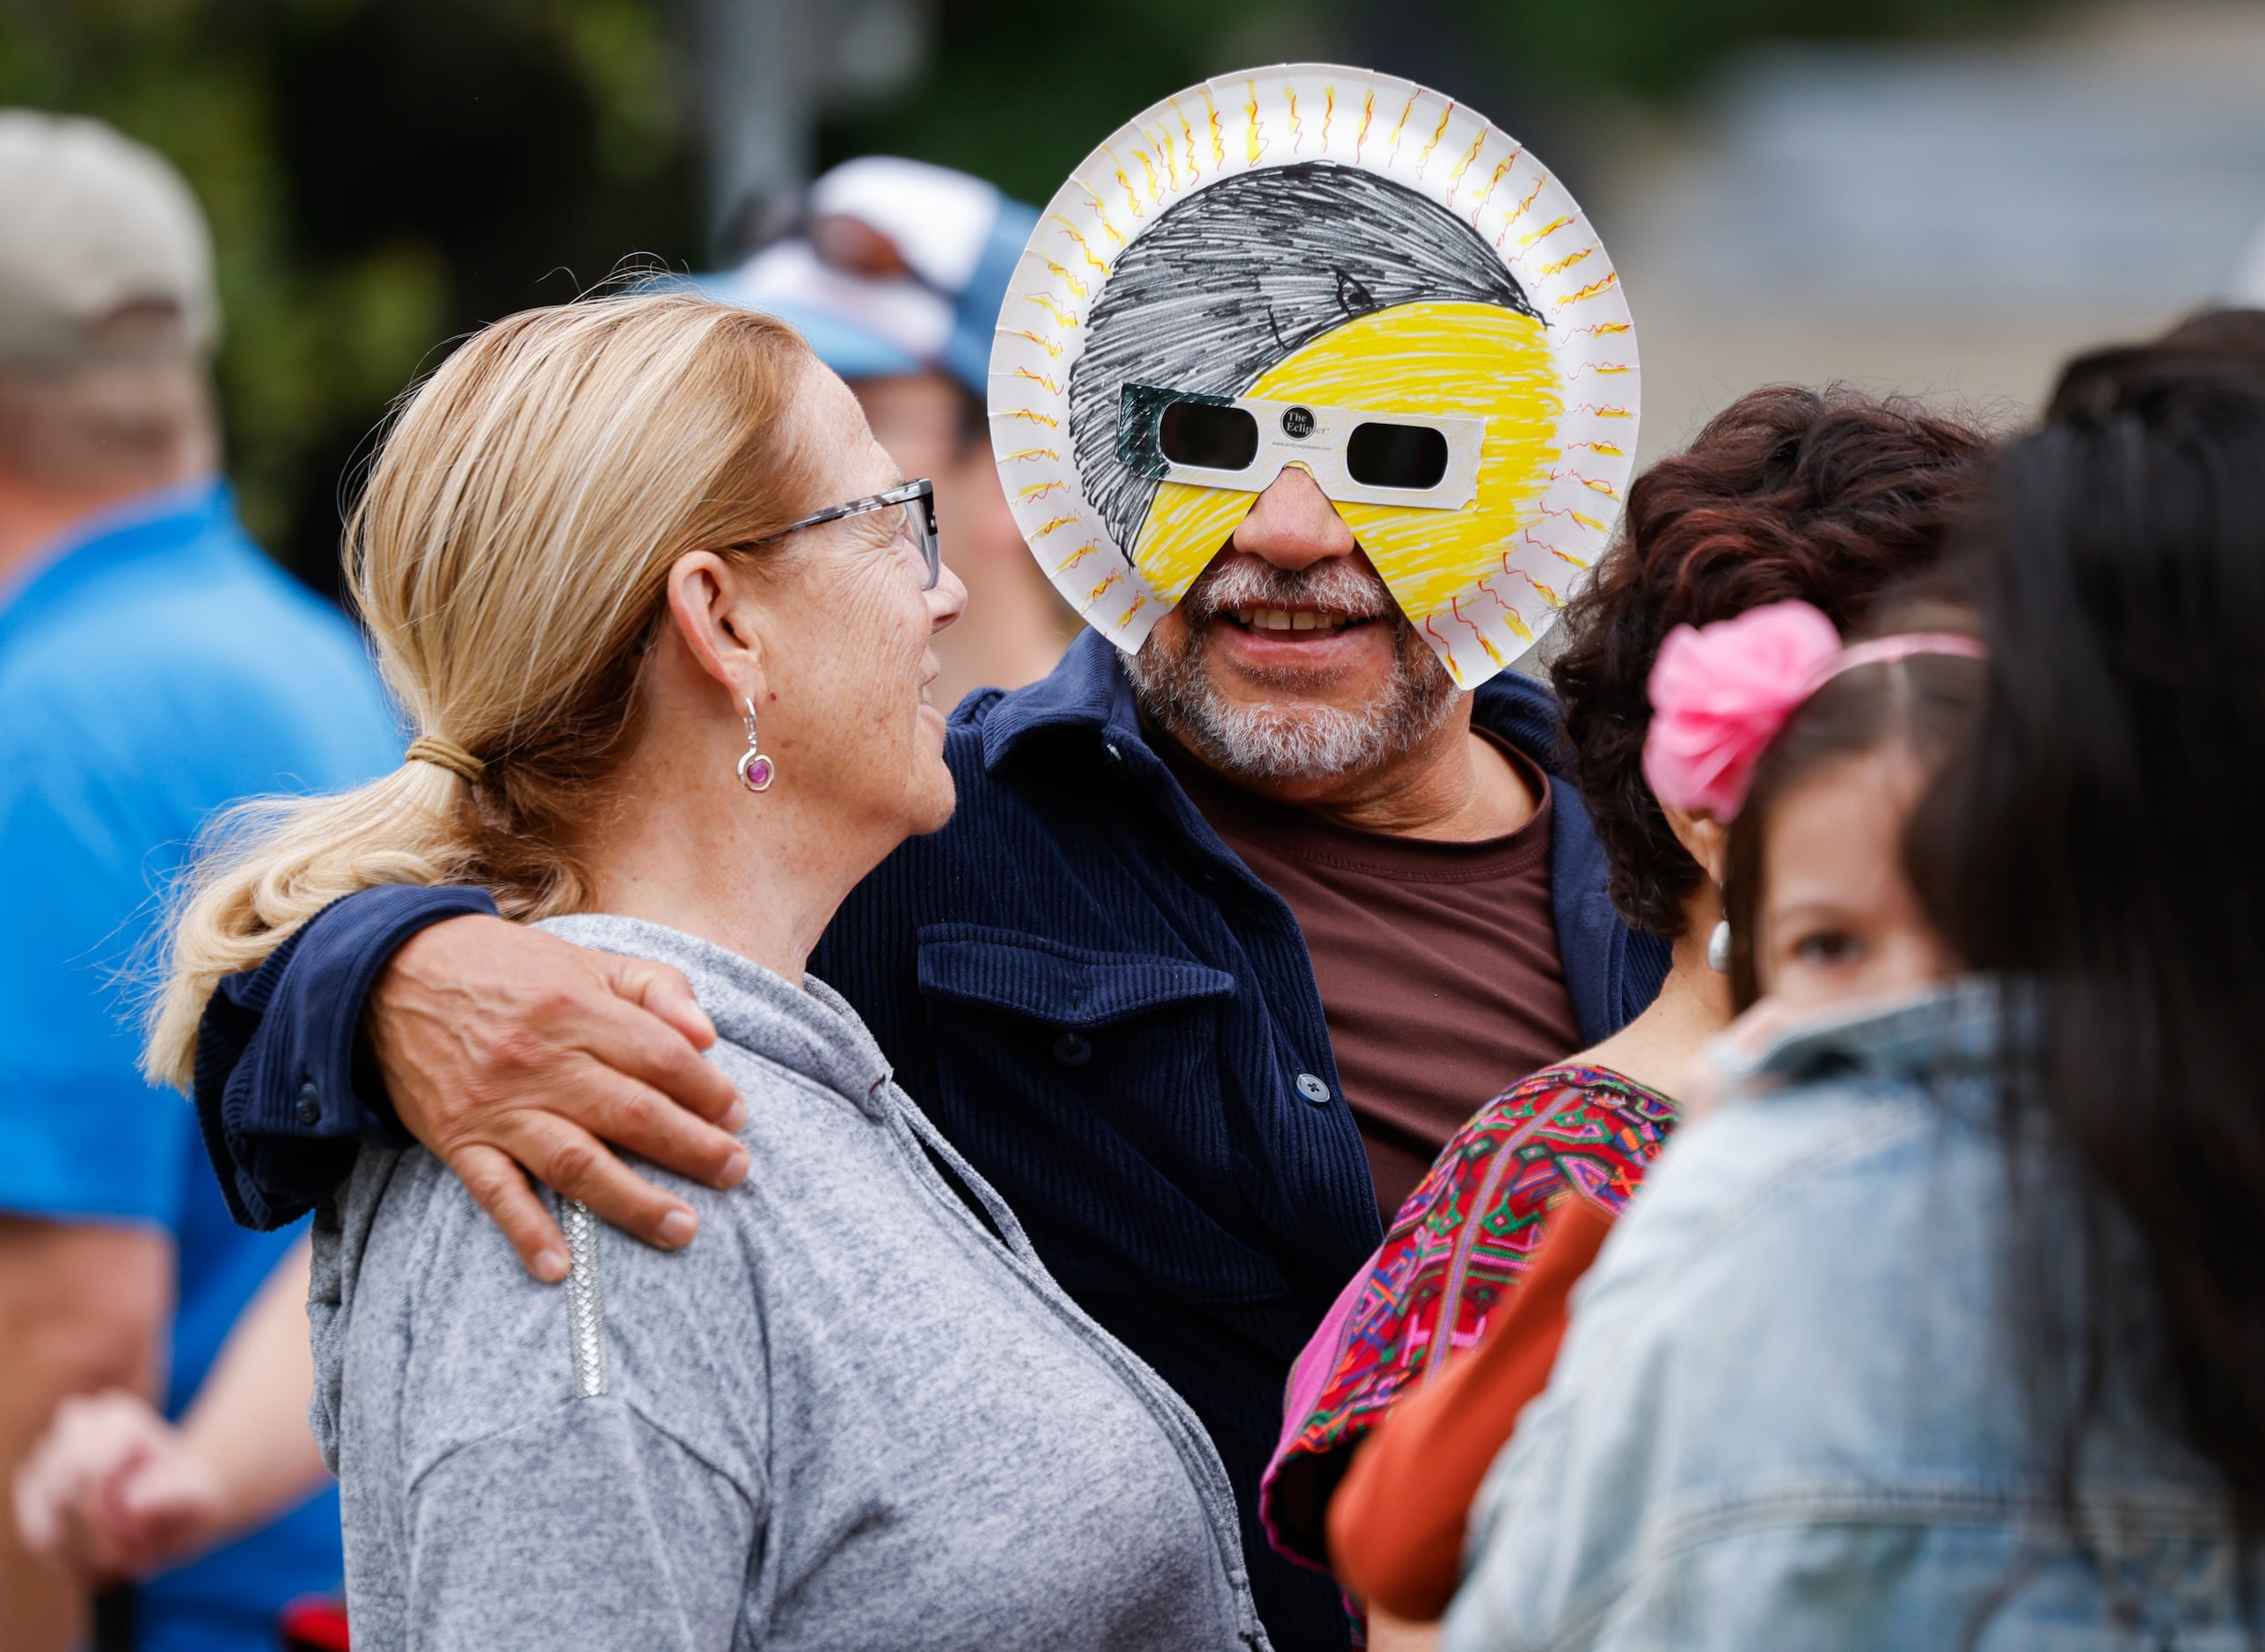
(1396, 455)
(1208, 438)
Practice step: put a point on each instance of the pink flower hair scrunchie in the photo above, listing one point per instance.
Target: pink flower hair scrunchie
(1720, 693)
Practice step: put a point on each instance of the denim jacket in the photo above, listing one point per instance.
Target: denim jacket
(1788, 1414)
(1090, 995)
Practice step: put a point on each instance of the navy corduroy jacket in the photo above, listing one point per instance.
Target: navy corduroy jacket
(1091, 996)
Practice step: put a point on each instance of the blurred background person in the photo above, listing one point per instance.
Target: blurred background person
(895, 270)
(153, 665)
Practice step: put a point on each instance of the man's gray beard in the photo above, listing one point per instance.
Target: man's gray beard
(1290, 739)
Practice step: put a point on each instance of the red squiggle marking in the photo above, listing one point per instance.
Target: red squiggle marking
(1502, 171)
(1567, 474)
(1566, 557)
(1589, 522)
(1558, 266)
(1455, 178)
(1455, 605)
(1400, 125)
(1527, 240)
(1602, 284)
(1438, 132)
(1188, 135)
(1079, 235)
(1093, 200)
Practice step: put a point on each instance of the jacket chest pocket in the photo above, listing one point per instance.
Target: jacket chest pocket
(1086, 1086)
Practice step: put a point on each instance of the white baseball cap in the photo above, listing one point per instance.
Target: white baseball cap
(104, 254)
(919, 285)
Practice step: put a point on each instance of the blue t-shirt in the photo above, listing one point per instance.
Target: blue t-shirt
(156, 669)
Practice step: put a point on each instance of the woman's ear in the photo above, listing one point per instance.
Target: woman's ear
(1704, 838)
(713, 607)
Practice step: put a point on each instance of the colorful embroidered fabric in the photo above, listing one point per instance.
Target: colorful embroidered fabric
(1464, 1236)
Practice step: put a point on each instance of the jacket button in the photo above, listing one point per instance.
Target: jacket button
(311, 1102)
(1072, 1050)
(1313, 1089)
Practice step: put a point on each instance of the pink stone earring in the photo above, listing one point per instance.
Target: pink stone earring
(755, 770)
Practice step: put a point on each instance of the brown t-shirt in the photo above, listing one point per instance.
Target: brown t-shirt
(1437, 961)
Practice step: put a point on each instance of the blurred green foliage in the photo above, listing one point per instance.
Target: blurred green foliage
(383, 175)
(1656, 48)
(1019, 91)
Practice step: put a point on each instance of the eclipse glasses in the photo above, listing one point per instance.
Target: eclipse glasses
(1242, 444)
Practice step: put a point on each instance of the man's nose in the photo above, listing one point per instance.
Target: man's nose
(1293, 524)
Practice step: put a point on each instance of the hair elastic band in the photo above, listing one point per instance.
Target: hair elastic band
(443, 753)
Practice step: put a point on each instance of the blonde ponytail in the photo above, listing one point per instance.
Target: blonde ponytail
(509, 557)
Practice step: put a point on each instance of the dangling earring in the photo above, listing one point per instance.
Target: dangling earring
(1717, 944)
(755, 770)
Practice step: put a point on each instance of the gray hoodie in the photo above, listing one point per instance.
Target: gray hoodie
(856, 1413)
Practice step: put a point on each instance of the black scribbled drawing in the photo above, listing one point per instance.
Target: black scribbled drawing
(1242, 274)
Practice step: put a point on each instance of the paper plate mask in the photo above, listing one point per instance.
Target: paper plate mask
(1318, 266)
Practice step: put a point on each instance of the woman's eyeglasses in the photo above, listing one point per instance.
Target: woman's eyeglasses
(915, 503)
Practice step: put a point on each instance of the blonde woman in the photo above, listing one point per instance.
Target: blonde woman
(663, 610)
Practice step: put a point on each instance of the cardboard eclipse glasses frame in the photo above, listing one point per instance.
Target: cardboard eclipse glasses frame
(1242, 444)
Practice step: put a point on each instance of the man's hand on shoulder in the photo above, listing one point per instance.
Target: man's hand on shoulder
(505, 1049)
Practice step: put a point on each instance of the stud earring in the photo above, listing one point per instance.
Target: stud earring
(1717, 944)
(755, 770)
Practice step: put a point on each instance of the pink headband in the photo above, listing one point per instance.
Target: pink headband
(1721, 692)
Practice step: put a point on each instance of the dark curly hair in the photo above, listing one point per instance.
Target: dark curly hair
(1831, 496)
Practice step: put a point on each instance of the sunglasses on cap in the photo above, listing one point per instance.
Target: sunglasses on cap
(1242, 444)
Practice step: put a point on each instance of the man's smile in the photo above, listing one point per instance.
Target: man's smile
(1285, 619)
(1280, 645)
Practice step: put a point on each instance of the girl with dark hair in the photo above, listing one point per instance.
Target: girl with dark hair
(1831, 497)
(1945, 1328)
(1814, 756)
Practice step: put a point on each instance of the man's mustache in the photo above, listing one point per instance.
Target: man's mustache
(1339, 587)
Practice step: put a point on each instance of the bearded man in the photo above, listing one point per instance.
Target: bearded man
(1229, 935)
